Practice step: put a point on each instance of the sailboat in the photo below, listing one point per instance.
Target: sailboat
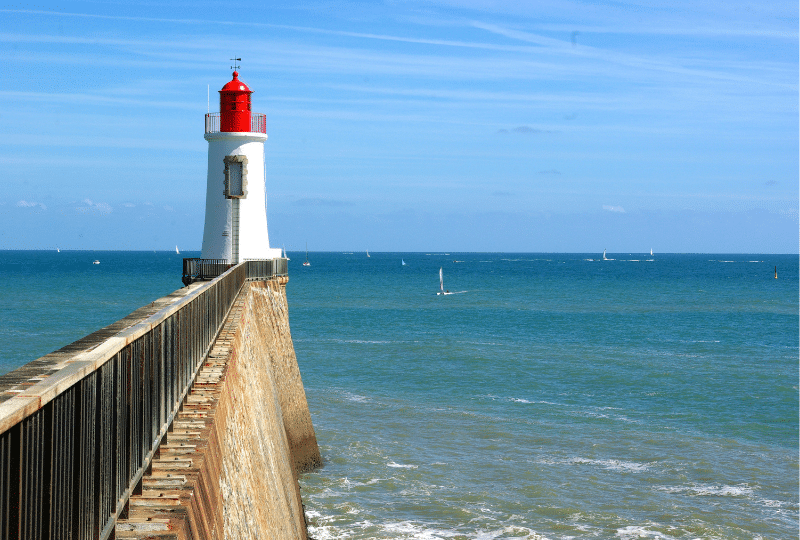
(402, 262)
(651, 252)
(604, 255)
(177, 251)
(306, 263)
(367, 253)
(441, 283)
(285, 256)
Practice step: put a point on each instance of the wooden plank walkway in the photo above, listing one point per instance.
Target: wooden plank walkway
(160, 511)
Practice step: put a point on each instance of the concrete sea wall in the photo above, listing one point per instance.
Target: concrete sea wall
(230, 464)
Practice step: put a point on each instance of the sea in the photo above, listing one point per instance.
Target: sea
(549, 396)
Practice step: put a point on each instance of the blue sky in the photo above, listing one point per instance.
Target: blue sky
(409, 125)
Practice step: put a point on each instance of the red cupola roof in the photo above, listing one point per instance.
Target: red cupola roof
(234, 106)
(236, 85)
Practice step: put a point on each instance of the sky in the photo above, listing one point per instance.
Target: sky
(409, 125)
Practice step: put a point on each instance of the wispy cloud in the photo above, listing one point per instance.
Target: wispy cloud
(90, 206)
(31, 204)
(526, 130)
(609, 208)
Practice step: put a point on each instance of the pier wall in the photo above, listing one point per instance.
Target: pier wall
(261, 437)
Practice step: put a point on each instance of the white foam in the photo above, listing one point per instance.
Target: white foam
(612, 464)
(356, 398)
(400, 465)
(363, 341)
(715, 490)
(529, 402)
(510, 533)
(417, 531)
(635, 531)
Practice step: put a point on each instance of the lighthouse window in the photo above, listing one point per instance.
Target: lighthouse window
(235, 177)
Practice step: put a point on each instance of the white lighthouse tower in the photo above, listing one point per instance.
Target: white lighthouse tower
(236, 198)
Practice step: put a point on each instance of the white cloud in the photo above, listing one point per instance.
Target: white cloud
(97, 208)
(609, 208)
(30, 204)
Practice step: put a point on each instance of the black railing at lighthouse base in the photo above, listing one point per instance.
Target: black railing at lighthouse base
(208, 269)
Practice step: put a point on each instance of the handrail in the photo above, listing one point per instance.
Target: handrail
(75, 445)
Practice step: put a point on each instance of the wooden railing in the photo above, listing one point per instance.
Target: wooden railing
(75, 445)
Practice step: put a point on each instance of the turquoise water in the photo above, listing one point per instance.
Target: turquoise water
(557, 396)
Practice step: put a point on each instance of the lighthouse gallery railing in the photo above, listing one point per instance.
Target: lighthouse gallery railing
(258, 123)
(75, 445)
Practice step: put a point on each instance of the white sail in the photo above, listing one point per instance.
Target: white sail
(176, 250)
(441, 280)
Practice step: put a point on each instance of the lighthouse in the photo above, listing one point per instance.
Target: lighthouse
(236, 198)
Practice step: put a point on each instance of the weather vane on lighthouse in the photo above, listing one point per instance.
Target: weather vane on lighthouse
(236, 197)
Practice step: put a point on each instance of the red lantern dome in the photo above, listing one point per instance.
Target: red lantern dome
(234, 106)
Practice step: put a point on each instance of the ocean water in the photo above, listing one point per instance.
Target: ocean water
(554, 396)
(558, 396)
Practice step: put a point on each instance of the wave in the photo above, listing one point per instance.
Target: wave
(637, 531)
(349, 396)
(608, 464)
(715, 490)
(366, 341)
(400, 465)
(421, 531)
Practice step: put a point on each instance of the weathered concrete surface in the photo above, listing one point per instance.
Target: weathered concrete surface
(229, 467)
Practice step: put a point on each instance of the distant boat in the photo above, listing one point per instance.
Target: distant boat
(441, 283)
(285, 256)
(96, 262)
(651, 252)
(306, 263)
(604, 255)
(402, 262)
(367, 253)
(177, 250)
(58, 250)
